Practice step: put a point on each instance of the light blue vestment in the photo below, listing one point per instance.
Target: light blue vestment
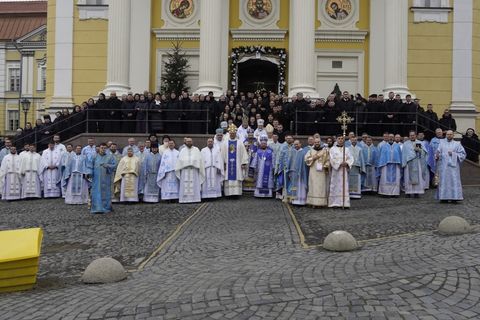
(101, 169)
(448, 169)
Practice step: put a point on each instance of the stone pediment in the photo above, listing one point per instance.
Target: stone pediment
(34, 39)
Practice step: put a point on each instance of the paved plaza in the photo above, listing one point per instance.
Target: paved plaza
(243, 259)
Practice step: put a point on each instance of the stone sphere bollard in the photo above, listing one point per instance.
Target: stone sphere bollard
(104, 270)
(453, 225)
(340, 241)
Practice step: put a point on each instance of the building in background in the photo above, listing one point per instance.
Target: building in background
(430, 48)
(23, 62)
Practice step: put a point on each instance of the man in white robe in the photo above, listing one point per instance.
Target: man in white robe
(449, 155)
(260, 131)
(164, 145)
(356, 170)
(219, 140)
(341, 160)
(242, 132)
(190, 170)
(51, 161)
(214, 171)
(235, 159)
(75, 178)
(151, 165)
(166, 179)
(10, 177)
(414, 159)
(31, 171)
(58, 145)
(126, 177)
(317, 159)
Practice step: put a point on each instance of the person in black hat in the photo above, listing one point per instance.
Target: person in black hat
(47, 132)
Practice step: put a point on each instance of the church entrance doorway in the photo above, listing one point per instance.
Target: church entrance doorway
(256, 68)
(257, 74)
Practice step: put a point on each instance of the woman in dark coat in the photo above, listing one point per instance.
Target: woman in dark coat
(77, 121)
(39, 128)
(141, 108)
(471, 143)
(90, 116)
(173, 115)
(28, 134)
(100, 111)
(157, 106)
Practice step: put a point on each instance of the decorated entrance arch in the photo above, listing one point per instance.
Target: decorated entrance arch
(277, 56)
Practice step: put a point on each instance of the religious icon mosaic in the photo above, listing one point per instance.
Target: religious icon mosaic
(181, 9)
(259, 9)
(338, 9)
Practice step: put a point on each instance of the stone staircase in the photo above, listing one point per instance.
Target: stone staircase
(470, 172)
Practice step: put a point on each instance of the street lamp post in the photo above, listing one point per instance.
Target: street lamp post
(25, 107)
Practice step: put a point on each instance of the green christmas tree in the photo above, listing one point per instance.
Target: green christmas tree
(175, 76)
(337, 90)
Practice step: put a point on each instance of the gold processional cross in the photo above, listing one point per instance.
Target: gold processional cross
(344, 119)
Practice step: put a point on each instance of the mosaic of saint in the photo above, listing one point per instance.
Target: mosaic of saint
(338, 9)
(259, 9)
(181, 9)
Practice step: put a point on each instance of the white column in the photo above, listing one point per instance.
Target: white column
(210, 74)
(140, 32)
(302, 64)
(462, 106)
(396, 46)
(225, 54)
(377, 47)
(27, 74)
(63, 64)
(118, 58)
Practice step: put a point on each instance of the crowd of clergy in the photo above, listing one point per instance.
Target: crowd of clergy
(234, 161)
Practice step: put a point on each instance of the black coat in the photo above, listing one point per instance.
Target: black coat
(77, 123)
(448, 123)
(472, 147)
(28, 136)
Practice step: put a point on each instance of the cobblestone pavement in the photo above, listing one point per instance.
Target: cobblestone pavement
(73, 237)
(243, 260)
(373, 217)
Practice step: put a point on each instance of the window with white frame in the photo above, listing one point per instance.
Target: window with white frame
(431, 10)
(13, 120)
(92, 9)
(431, 3)
(95, 2)
(13, 77)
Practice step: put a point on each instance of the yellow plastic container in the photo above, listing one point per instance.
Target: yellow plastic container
(19, 258)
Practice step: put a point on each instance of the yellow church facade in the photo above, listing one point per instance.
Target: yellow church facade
(428, 48)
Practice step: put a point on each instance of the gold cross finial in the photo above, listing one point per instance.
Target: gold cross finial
(344, 119)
